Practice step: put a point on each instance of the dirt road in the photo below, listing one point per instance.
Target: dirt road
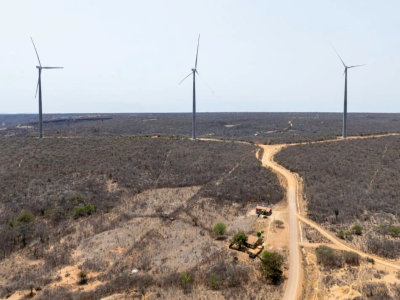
(339, 245)
(293, 287)
(293, 284)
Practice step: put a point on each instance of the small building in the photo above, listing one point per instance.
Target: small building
(260, 210)
(253, 241)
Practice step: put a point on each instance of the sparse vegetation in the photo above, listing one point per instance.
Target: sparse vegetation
(216, 282)
(278, 223)
(185, 277)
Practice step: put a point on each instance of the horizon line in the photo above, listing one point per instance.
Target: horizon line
(204, 112)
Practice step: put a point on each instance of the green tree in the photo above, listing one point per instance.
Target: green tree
(219, 229)
(79, 211)
(259, 233)
(24, 227)
(357, 229)
(341, 234)
(271, 265)
(90, 208)
(239, 239)
(26, 217)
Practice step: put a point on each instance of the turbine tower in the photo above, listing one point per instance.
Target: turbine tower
(194, 71)
(39, 87)
(345, 92)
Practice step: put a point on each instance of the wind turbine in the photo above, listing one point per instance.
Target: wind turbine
(194, 71)
(345, 92)
(39, 87)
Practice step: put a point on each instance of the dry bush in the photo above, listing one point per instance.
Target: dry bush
(375, 291)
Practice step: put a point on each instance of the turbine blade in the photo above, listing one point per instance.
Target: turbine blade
(37, 87)
(185, 78)
(197, 54)
(205, 82)
(36, 52)
(338, 55)
(355, 66)
(52, 67)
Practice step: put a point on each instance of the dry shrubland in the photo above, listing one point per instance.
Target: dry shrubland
(108, 205)
(267, 128)
(358, 181)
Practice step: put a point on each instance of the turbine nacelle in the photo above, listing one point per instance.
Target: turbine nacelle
(39, 67)
(193, 70)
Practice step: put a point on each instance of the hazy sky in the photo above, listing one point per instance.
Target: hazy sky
(129, 56)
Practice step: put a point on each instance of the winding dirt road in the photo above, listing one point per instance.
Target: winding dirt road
(295, 280)
(294, 284)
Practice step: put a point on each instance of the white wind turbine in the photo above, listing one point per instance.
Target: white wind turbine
(39, 87)
(194, 71)
(345, 92)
